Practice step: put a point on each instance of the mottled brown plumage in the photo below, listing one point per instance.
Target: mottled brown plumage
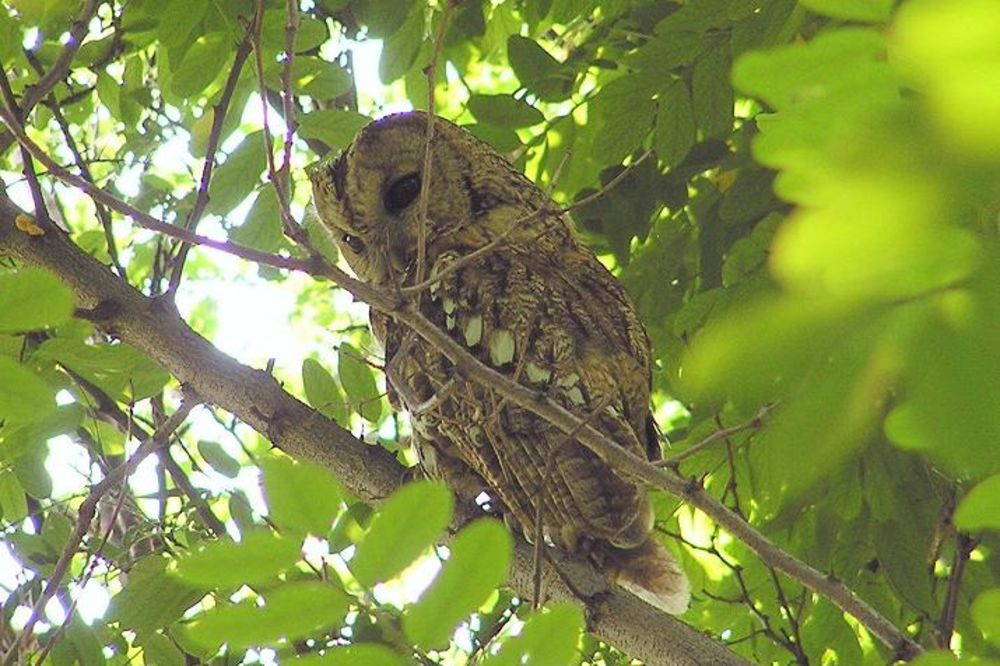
(540, 308)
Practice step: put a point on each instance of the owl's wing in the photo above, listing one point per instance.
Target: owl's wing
(556, 324)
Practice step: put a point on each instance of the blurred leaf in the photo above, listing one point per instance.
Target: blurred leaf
(978, 509)
(358, 381)
(300, 496)
(406, 525)
(504, 111)
(33, 298)
(852, 10)
(480, 556)
(178, 19)
(549, 638)
(291, 611)
(216, 456)
(986, 613)
(949, 50)
(950, 411)
(258, 558)
(322, 391)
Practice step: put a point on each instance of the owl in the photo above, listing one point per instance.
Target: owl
(537, 307)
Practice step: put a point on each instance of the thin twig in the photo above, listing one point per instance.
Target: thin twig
(288, 100)
(964, 545)
(28, 165)
(86, 513)
(425, 178)
(288, 223)
(219, 112)
(754, 423)
(60, 68)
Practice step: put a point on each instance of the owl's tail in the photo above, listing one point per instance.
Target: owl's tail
(651, 573)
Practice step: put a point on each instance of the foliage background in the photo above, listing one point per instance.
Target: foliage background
(807, 223)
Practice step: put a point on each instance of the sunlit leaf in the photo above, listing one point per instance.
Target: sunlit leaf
(549, 638)
(405, 526)
(291, 611)
(33, 298)
(259, 557)
(359, 382)
(480, 555)
(300, 495)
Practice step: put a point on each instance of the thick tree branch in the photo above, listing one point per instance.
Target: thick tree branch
(155, 328)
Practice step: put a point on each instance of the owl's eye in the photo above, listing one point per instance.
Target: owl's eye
(402, 192)
(353, 242)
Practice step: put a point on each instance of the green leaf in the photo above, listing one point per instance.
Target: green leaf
(537, 70)
(623, 115)
(549, 638)
(978, 509)
(13, 503)
(177, 20)
(504, 111)
(852, 10)
(238, 176)
(385, 17)
(120, 370)
(300, 496)
(712, 93)
(399, 51)
(258, 558)
(986, 613)
(480, 556)
(951, 411)
(322, 391)
(291, 611)
(33, 298)
(201, 64)
(948, 52)
(408, 523)
(160, 650)
(216, 456)
(353, 655)
(358, 381)
(262, 227)
(675, 126)
(24, 397)
(151, 599)
(334, 127)
(945, 658)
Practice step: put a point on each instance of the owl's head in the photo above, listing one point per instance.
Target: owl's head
(368, 195)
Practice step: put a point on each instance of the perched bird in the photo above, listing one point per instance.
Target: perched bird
(537, 306)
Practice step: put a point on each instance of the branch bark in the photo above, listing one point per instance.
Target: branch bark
(154, 327)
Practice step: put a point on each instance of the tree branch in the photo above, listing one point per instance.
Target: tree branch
(154, 327)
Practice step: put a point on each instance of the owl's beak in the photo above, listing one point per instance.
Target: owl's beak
(399, 249)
